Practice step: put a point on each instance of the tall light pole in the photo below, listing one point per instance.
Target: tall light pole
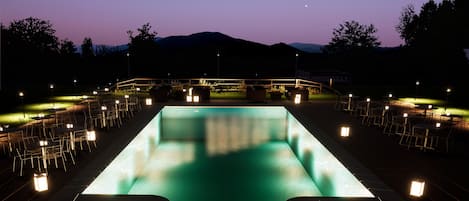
(296, 64)
(448, 91)
(128, 65)
(417, 83)
(51, 87)
(75, 81)
(218, 64)
(21, 95)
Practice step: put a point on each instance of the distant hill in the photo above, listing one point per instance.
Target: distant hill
(215, 41)
(209, 40)
(307, 47)
(196, 54)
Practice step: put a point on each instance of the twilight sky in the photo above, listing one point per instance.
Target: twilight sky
(264, 21)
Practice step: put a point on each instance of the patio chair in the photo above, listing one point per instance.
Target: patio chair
(55, 152)
(80, 137)
(25, 157)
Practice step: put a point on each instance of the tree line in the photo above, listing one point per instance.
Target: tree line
(434, 38)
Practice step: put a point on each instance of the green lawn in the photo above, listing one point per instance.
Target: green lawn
(440, 104)
(24, 113)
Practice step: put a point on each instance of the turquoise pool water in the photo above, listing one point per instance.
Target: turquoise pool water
(226, 153)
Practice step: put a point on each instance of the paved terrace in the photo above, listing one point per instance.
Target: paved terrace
(377, 159)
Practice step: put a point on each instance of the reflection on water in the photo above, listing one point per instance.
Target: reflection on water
(224, 134)
(330, 176)
(268, 171)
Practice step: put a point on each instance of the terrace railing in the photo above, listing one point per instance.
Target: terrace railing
(217, 84)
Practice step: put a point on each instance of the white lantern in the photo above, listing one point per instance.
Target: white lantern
(344, 131)
(91, 135)
(196, 99)
(188, 99)
(297, 98)
(416, 188)
(40, 182)
(43, 143)
(148, 101)
(69, 126)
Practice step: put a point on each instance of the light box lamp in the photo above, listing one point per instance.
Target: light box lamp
(40, 182)
(297, 98)
(417, 187)
(91, 135)
(148, 101)
(345, 131)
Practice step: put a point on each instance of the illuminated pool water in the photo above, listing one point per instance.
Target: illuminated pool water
(226, 153)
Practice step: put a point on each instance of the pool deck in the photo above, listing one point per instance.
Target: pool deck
(375, 158)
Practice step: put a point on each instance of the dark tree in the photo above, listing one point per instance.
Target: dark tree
(144, 34)
(435, 25)
(87, 48)
(352, 36)
(142, 50)
(462, 15)
(33, 35)
(67, 48)
(407, 24)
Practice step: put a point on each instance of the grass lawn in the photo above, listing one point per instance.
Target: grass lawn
(23, 114)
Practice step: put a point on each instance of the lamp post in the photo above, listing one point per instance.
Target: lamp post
(117, 108)
(21, 95)
(417, 83)
(368, 101)
(390, 98)
(296, 64)
(218, 64)
(349, 103)
(72, 136)
(448, 91)
(128, 65)
(126, 97)
(51, 87)
(103, 116)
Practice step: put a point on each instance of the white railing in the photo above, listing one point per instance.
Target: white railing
(145, 84)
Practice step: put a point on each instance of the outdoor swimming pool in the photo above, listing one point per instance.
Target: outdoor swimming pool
(226, 153)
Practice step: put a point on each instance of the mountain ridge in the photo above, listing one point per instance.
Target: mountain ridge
(205, 39)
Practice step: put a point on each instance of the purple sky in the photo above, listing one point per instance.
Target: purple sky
(264, 21)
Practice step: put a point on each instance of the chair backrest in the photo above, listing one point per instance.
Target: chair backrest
(418, 131)
(20, 156)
